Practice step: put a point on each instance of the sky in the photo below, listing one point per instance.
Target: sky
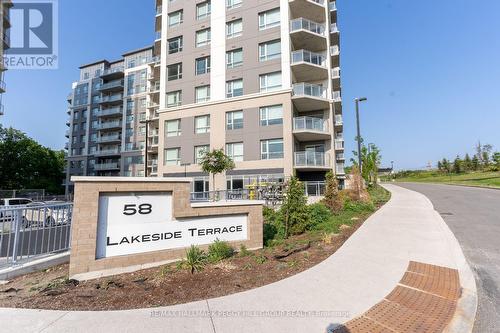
(430, 70)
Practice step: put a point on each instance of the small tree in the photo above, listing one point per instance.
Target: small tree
(294, 208)
(457, 165)
(496, 159)
(467, 165)
(475, 163)
(215, 162)
(332, 198)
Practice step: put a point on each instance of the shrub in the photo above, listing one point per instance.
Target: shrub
(318, 214)
(195, 259)
(333, 200)
(219, 250)
(295, 218)
(243, 251)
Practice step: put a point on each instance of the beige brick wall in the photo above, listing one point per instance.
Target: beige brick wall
(85, 219)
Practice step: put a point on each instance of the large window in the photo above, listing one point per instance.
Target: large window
(269, 19)
(234, 120)
(172, 156)
(203, 37)
(234, 88)
(270, 50)
(174, 71)
(199, 152)
(203, 10)
(234, 58)
(234, 28)
(174, 98)
(175, 45)
(173, 128)
(202, 124)
(230, 4)
(270, 82)
(271, 115)
(271, 149)
(175, 18)
(202, 65)
(235, 151)
(202, 94)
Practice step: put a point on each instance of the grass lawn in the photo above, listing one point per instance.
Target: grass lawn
(486, 179)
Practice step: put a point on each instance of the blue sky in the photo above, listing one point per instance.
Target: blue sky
(430, 70)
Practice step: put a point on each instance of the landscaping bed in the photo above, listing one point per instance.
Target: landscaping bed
(175, 283)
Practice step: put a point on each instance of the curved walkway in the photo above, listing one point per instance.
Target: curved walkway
(347, 284)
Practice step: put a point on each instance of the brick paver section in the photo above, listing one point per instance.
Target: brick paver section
(424, 301)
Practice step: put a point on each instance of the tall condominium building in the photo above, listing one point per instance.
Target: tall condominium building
(108, 110)
(5, 6)
(259, 79)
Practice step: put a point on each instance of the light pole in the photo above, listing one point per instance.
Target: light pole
(358, 138)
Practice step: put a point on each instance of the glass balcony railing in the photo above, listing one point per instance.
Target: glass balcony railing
(305, 24)
(310, 123)
(336, 73)
(339, 143)
(118, 69)
(109, 138)
(109, 124)
(114, 151)
(334, 50)
(309, 89)
(111, 98)
(112, 84)
(309, 57)
(338, 120)
(334, 28)
(110, 112)
(332, 6)
(312, 159)
(337, 96)
(106, 166)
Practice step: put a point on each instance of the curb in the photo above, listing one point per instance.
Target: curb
(450, 184)
(36, 265)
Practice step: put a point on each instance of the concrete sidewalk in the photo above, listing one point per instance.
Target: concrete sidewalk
(356, 277)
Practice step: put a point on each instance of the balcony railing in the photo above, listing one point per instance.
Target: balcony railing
(106, 166)
(339, 143)
(305, 24)
(338, 120)
(337, 96)
(319, 2)
(310, 123)
(157, 35)
(110, 112)
(112, 84)
(309, 57)
(334, 50)
(111, 98)
(340, 157)
(314, 189)
(334, 28)
(336, 73)
(332, 6)
(109, 124)
(114, 151)
(159, 10)
(312, 159)
(339, 169)
(113, 70)
(109, 138)
(309, 89)
(155, 87)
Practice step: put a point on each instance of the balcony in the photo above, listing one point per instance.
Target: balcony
(152, 105)
(334, 50)
(155, 61)
(307, 160)
(107, 166)
(336, 78)
(339, 144)
(307, 34)
(339, 169)
(107, 152)
(110, 112)
(310, 128)
(159, 10)
(112, 138)
(308, 66)
(116, 85)
(111, 99)
(310, 97)
(155, 87)
(67, 133)
(337, 96)
(113, 73)
(340, 157)
(338, 120)
(313, 9)
(109, 125)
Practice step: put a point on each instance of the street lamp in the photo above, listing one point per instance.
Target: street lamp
(358, 138)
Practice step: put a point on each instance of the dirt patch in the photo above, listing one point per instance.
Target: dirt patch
(168, 285)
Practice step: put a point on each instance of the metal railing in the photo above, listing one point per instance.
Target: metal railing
(35, 230)
(305, 24)
(113, 70)
(314, 189)
(310, 123)
(115, 151)
(109, 124)
(309, 89)
(110, 112)
(334, 50)
(312, 159)
(309, 57)
(271, 195)
(112, 84)
(106, 166)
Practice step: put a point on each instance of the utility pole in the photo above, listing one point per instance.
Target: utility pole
(358, 138)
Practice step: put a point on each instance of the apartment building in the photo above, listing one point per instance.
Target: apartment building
(5, 6)
(259, 78)
(107, 117)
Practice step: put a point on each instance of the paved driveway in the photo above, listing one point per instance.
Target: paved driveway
(473, 214)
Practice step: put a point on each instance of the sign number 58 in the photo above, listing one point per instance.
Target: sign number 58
(143, 209)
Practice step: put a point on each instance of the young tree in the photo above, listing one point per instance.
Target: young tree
(294, 208)
(332, 198)
(215, 162)
(440, 166)
(457, 165)
(475, 163)
(496, 159)
(446, 165)
(467, 164)
(371, 158)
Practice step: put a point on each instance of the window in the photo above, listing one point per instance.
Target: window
(142, 130)
(174, 98)
(173, 128)
(202, 65)
(271, 115)
(202, 94)
(269, 19)
(235, 151)
(199, 152)
(234, 58)
(271, 149)
(230, 4)
(174, 71)
(270, 50)
(175, 45)
(234, 88)
(172, 156)
(234, 28)
(203, 37)
(234, 120)
(270, 82)
(175, 18)
(203, 10)
(202, 124)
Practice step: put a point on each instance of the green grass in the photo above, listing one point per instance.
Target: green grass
(486, 179)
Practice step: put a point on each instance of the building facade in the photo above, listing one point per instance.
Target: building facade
(258, 78)
(5, 6)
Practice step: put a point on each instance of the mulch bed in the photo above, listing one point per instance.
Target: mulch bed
(162, 286)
